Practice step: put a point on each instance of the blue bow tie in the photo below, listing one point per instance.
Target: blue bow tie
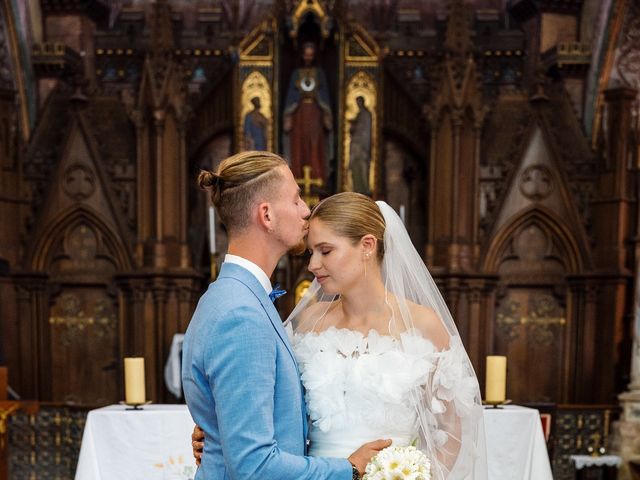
(277, 292)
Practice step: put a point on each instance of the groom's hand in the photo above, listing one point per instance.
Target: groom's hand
(366, 452)
(197, 443)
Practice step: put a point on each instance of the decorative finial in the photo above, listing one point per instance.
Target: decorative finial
(161, 28)
(458, 40)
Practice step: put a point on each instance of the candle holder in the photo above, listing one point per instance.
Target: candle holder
(135, 406)
(495, 404)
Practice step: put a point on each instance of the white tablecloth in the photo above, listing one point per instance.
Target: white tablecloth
(154, 443)
(586, 461)
(516, 449)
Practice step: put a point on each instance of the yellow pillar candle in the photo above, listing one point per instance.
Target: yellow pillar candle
(496, 380)
(134, 392)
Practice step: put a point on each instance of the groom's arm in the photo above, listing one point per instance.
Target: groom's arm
(241, 369)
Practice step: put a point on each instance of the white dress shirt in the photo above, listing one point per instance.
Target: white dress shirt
(255, 270)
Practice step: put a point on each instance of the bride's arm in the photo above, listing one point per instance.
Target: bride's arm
(449, 388)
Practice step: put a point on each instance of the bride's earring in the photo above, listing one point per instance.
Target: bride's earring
(366, 260)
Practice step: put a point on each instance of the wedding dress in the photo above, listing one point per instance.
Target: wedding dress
(361, 388)
(358, 388)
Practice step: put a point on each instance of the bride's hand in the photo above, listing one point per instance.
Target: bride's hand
(197, 443)
(360, 458)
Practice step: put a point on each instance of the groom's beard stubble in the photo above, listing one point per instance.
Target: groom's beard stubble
(301, 247)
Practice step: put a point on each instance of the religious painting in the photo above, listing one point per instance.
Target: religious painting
(308, 118)
(359, 128)
(256, 132)
(255, 104)
(361, 96)
(308, 94)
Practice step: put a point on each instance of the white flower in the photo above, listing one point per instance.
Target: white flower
(399, 463)
(349, 342)
(452, 381)
(379, 344)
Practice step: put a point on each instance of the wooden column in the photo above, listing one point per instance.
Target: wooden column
(149, 305)
(612, 231)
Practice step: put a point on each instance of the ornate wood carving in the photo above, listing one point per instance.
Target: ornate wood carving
(103, 221)
(46, 443)
(56, 60)
(455, 115)
(163, 114)
(531, 320)
(579, 430)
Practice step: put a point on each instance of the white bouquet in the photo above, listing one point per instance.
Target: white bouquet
(398, 463)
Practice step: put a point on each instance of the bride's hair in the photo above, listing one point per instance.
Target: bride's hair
(352, 215)
(238, 181)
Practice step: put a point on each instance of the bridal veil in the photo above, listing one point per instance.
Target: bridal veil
(448, 405)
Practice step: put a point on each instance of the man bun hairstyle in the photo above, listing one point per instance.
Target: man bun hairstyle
(239, 182)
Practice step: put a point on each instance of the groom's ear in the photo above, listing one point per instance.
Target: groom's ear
(265, 216)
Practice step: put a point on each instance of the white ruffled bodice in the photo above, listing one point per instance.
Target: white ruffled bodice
(358, 388)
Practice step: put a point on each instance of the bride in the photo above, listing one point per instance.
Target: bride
(378, 351)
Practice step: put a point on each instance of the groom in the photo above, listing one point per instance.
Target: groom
(241, 381)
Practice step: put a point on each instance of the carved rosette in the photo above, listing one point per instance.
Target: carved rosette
(536, 182)
(79, 182)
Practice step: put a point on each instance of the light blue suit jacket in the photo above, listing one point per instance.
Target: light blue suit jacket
(243, 388)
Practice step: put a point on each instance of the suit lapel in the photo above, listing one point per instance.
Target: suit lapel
(243, 275)
(276, 321)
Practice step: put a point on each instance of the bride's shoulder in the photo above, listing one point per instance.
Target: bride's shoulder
(429, 324)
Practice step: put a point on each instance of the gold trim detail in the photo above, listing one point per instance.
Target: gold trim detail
(306, 182)
(246, 50)
(371, 55)
(314, 7)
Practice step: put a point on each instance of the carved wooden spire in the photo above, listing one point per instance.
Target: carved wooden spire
(458, 40)
(457, 106)
(161, 28)
(458, 86)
